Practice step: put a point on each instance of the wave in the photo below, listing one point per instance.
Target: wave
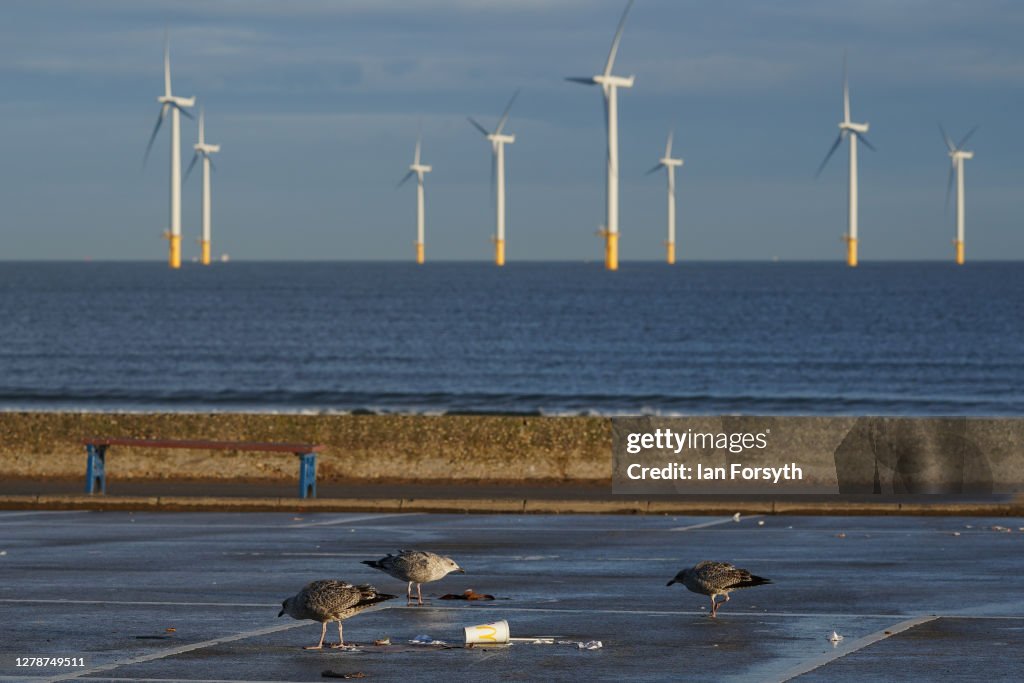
(326, 402)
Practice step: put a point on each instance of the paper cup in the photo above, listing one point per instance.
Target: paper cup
(495, 633)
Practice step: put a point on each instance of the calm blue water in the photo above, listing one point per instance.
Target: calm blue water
(817, 338)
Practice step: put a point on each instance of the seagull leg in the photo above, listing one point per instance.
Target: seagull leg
(408, 595)
(320, 645)
(714, 607)
(419, 593)
(341, 639)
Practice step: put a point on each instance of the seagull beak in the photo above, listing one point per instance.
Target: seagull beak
(460, 570)
(281, 613)
(670, 582)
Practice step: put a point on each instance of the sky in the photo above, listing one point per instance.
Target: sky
(317, 103)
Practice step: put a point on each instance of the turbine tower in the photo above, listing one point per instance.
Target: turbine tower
(204, 150)
(669, 164)
(958, 155)
(176, 105)
(855, 132)
(418, 169)
(610, 85)
(498, 142)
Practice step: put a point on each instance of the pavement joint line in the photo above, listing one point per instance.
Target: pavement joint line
(6, 514)
(261, 605)
(181, 680)
(173, 651)
(357, 518)
(855, 646)
(154, 603)
(715, 522)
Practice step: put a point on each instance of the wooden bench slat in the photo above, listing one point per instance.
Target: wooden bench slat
(198, 444)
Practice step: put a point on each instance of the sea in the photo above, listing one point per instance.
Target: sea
(808, 338)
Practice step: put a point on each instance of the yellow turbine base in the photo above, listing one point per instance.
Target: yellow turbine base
(499, 252)
(419, 252)
(611, 251)
(959, 252)
(174, 258)
(851, 252)
(670, 253)
(206, 252)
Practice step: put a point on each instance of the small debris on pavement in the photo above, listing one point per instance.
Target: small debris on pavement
(327, 673)
(424, 639)
(468, 594)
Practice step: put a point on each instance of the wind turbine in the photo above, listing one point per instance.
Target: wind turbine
(958, 155)
(670, 164)
(204, 150)
(498, 142)
(610, 85)
(176, 105)
(855, 132)
(417, 169)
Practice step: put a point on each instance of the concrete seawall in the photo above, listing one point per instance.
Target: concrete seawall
(466, 449)
(367, 447)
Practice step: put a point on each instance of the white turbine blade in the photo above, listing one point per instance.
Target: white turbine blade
(416, 156)
(476, 124)
(945, 136)
(184, 112)
(960, 145)
(860, 136)
(846, 93)
(831, 151)
(167, 64)
(202, 138)
(504, 117)
(668, 146)
(585, 80)
(615, 41)
(213, 166)
(405, 178)
(195, 158)
(152, 136)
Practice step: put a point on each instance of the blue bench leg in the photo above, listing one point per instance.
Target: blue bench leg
(307, 475)
(95, 469)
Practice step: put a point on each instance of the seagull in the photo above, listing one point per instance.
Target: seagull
(716, 578)
(415, 566)
(330, 600)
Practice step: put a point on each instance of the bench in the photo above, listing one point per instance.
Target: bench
(96, 448)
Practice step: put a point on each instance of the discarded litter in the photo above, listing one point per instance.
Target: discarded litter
(468, 594)
(735, 518)
(590, 645)
(835, 637)
(494, 633)
(760, 522)
(327, 673)
(424, 639)
(382, 641)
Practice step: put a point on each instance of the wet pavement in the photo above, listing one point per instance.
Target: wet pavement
(915, 598)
